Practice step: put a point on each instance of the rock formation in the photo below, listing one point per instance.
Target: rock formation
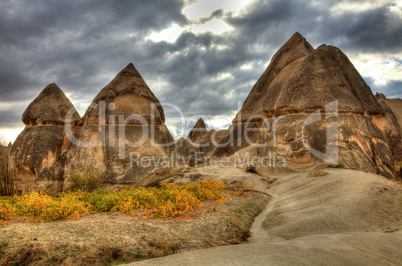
(198, 131)
(122, 128)
(396, 106)
(184, 152)
(393, 110)
(36, 156)
(283, 111)
(204, 140)
(183, 148)
(310, 107)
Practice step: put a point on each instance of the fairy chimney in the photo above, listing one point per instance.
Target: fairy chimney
(36, 156)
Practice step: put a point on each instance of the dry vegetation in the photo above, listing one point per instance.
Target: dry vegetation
(87, 180)
(6, 181)
(394, 140)
(161, 221)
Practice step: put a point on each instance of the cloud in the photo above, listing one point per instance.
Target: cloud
(204, 8)
(82, 45)
(372, 30)
(74, 43)
(382, 68)
(394, 89)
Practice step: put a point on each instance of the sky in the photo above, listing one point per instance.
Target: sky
(203, 56)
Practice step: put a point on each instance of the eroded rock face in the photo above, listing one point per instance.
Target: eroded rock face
(197, 137)
(124, 124)
(184, 153)
(36, 156)
(198, 131)
(393, 112)
(205, 141)
(297, 104)
(396, 106)
(183, 148)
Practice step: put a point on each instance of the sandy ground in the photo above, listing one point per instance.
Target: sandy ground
(325, 217)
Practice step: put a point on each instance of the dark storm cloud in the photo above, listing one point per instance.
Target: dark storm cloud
(194, 74)
(9, 119)
(258, 33)
(75, 44)
(71, 42)
(375, 30)
(394, 89)
(82, 45)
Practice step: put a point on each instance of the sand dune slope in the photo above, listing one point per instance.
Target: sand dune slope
(330, 216)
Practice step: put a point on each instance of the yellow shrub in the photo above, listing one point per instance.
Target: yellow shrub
(168, 201)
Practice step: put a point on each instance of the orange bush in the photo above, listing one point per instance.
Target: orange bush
(168, 201)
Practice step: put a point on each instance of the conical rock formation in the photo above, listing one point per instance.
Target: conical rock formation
(303, 97)
(203, 140)
(129, 95)
(36, 156)
(198, 131)
(51, 107)
(124, 124)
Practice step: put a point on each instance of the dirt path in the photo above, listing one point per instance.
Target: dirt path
(330, 216)
(258, 232)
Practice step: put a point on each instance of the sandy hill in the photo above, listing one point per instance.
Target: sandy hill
(327, 216)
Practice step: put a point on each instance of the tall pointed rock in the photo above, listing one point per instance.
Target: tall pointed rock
(198, 130)
(124, 122)
(51, 107)
(299, 82)
(324, 76)
(269, 86)
(204, 141)
(36, 156)
(127, 94)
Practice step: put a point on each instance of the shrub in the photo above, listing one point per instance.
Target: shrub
(6, 181)
(41, 207)
(394, 141)
(168, 201)
(86, 180)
